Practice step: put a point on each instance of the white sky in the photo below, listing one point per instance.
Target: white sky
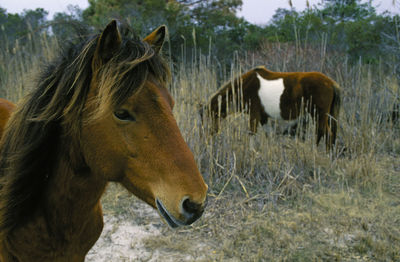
(255, 11)
(261, 11)
(52, 6)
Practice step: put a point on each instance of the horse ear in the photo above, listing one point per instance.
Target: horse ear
(156, 38)
(108, 44)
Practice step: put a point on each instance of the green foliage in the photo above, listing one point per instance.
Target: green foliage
(349, 26)
(192, 24)
(141, 14)
(19, 26)
(65, 25)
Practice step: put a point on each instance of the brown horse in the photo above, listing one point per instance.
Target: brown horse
(101, 112)
(282, 96)
(6, 108)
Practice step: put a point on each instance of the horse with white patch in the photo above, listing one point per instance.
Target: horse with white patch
(283, 96)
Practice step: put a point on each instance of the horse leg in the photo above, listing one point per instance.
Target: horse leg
(254, 120)
(328, 138)
(291, 130)
(216, 123)
(333, 124)
(298, 128)
(324, 130)
(264, 122)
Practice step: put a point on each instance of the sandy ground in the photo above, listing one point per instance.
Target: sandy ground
(122, 238)
(122, 241)
(124, 235)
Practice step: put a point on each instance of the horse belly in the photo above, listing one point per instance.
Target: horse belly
(270, 93)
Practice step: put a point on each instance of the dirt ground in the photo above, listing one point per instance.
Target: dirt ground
(324, 226)
(129, 226)
(122, 239)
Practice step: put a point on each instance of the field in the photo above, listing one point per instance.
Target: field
(271, 197)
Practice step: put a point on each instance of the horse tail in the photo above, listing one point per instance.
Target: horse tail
(335, 109)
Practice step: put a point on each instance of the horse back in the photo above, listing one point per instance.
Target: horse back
(318, 87)
(301, 84)
(6, 108)
(313, 88)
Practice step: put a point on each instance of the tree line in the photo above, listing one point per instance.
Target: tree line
(349, 27)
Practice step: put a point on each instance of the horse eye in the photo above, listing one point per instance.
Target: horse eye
(124, 115)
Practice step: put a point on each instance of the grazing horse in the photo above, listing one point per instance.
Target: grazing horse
(282, 96)
(101, 112)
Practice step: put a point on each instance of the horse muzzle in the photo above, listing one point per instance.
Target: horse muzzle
(189, 210)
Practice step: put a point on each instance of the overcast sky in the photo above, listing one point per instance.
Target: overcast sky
(261, 11)
(255, 11)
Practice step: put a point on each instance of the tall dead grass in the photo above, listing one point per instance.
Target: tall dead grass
(21, 61)
(274, 197)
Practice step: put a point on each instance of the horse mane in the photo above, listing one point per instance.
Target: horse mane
(54, 109)
(226, 89)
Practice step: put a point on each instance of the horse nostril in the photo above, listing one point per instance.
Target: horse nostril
(190, 207)
(192, 211)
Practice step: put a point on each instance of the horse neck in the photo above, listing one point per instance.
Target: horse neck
(69, 220)
(73, 192)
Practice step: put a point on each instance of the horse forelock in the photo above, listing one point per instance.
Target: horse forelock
(125, 73)
(32, 141)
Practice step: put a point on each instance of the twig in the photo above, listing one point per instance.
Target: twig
(230, 178)
(243, 187)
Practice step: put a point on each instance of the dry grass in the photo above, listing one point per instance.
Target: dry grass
(20, 63)
(272, 197)
(318, 226)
